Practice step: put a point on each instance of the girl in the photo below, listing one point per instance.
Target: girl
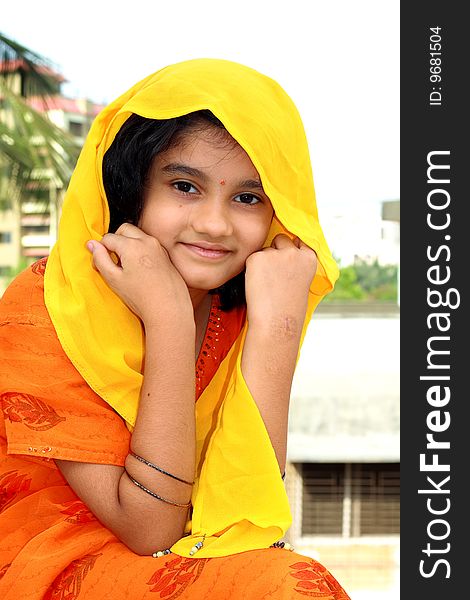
(189, 236)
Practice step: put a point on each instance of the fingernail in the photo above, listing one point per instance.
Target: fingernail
(90, 245)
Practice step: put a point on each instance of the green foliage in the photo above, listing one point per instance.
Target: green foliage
(38, 81)
(347, 287)
(368, 282)
(32, 148)
(374, 276)
(14, 271)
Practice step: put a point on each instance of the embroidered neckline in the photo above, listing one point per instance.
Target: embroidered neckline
(209, 352)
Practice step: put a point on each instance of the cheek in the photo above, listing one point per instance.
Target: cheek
(255, 237)
(157, 222)
(263, 229)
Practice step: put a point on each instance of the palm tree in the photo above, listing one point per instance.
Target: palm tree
(31, 146)
(36, 156)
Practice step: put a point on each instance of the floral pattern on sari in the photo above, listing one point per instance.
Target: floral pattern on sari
(12, 483)
(172, 579)
(39, 267)
(67, 585)
(314, 581)
(4, 569)
(33, 412)
(77, 512)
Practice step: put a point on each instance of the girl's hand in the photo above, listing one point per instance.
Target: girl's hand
(144, 277)
(277, 282)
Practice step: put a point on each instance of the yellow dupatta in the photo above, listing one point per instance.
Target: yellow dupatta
(237, 505)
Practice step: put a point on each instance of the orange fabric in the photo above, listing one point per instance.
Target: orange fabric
(50, 411)
(52, 547)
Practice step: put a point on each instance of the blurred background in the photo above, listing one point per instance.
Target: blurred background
(339, 61)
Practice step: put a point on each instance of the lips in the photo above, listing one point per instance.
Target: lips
(208, 250)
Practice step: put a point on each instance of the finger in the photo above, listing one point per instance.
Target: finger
(129, 230)
(102, 260)
(266, 250)
(281, 241)
(306, 248)
(115, 242)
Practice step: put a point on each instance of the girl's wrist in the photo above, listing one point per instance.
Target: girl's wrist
(170, 319)
(277, 327)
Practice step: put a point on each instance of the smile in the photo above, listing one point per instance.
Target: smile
(211, 253)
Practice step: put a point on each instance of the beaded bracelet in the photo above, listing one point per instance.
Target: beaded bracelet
(193, 550)
(143, 488)
(161, 553)
(149, 464)
(284, 545)
(199, 545)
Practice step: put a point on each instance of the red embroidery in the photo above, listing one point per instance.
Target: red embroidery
(208, 361)
(67, 585)
(4, 569)
(78, 513)
(39, 267)
(177, 574)
(29, 410)
(12, 483)
(316, 581)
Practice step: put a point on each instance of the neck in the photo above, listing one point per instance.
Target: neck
(202, 305)
(197, 297)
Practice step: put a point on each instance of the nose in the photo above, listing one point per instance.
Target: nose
(212, 218)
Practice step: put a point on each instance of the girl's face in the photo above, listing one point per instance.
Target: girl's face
(205, 204)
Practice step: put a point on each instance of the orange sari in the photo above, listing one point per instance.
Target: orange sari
(52, 547)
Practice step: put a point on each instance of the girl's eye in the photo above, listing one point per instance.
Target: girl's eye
(185, 187)
(247, 199)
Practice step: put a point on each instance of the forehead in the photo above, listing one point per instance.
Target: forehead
(212, 150)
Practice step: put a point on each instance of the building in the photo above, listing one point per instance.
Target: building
(344, 448)
(29, 233)
(366, 233)
(343, 474)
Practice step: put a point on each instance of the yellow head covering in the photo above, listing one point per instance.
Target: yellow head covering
(238, 505)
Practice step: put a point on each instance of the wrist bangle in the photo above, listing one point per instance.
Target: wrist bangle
(154, 495)
(149, 464)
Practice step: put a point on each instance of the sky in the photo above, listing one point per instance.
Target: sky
(337, 59)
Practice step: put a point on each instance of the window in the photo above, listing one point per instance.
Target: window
(322, 499)
(76, 128)
(350, 500)
(5, 237)
(377, 490)
(28, 229)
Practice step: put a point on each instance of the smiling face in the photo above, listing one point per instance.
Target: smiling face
(205, 204)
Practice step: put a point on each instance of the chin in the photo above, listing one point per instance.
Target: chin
(206, 283)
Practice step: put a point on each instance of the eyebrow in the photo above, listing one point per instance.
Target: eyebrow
(253, 184)
(179, 168)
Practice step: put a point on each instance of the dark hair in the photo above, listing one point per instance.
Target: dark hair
(126, 167)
